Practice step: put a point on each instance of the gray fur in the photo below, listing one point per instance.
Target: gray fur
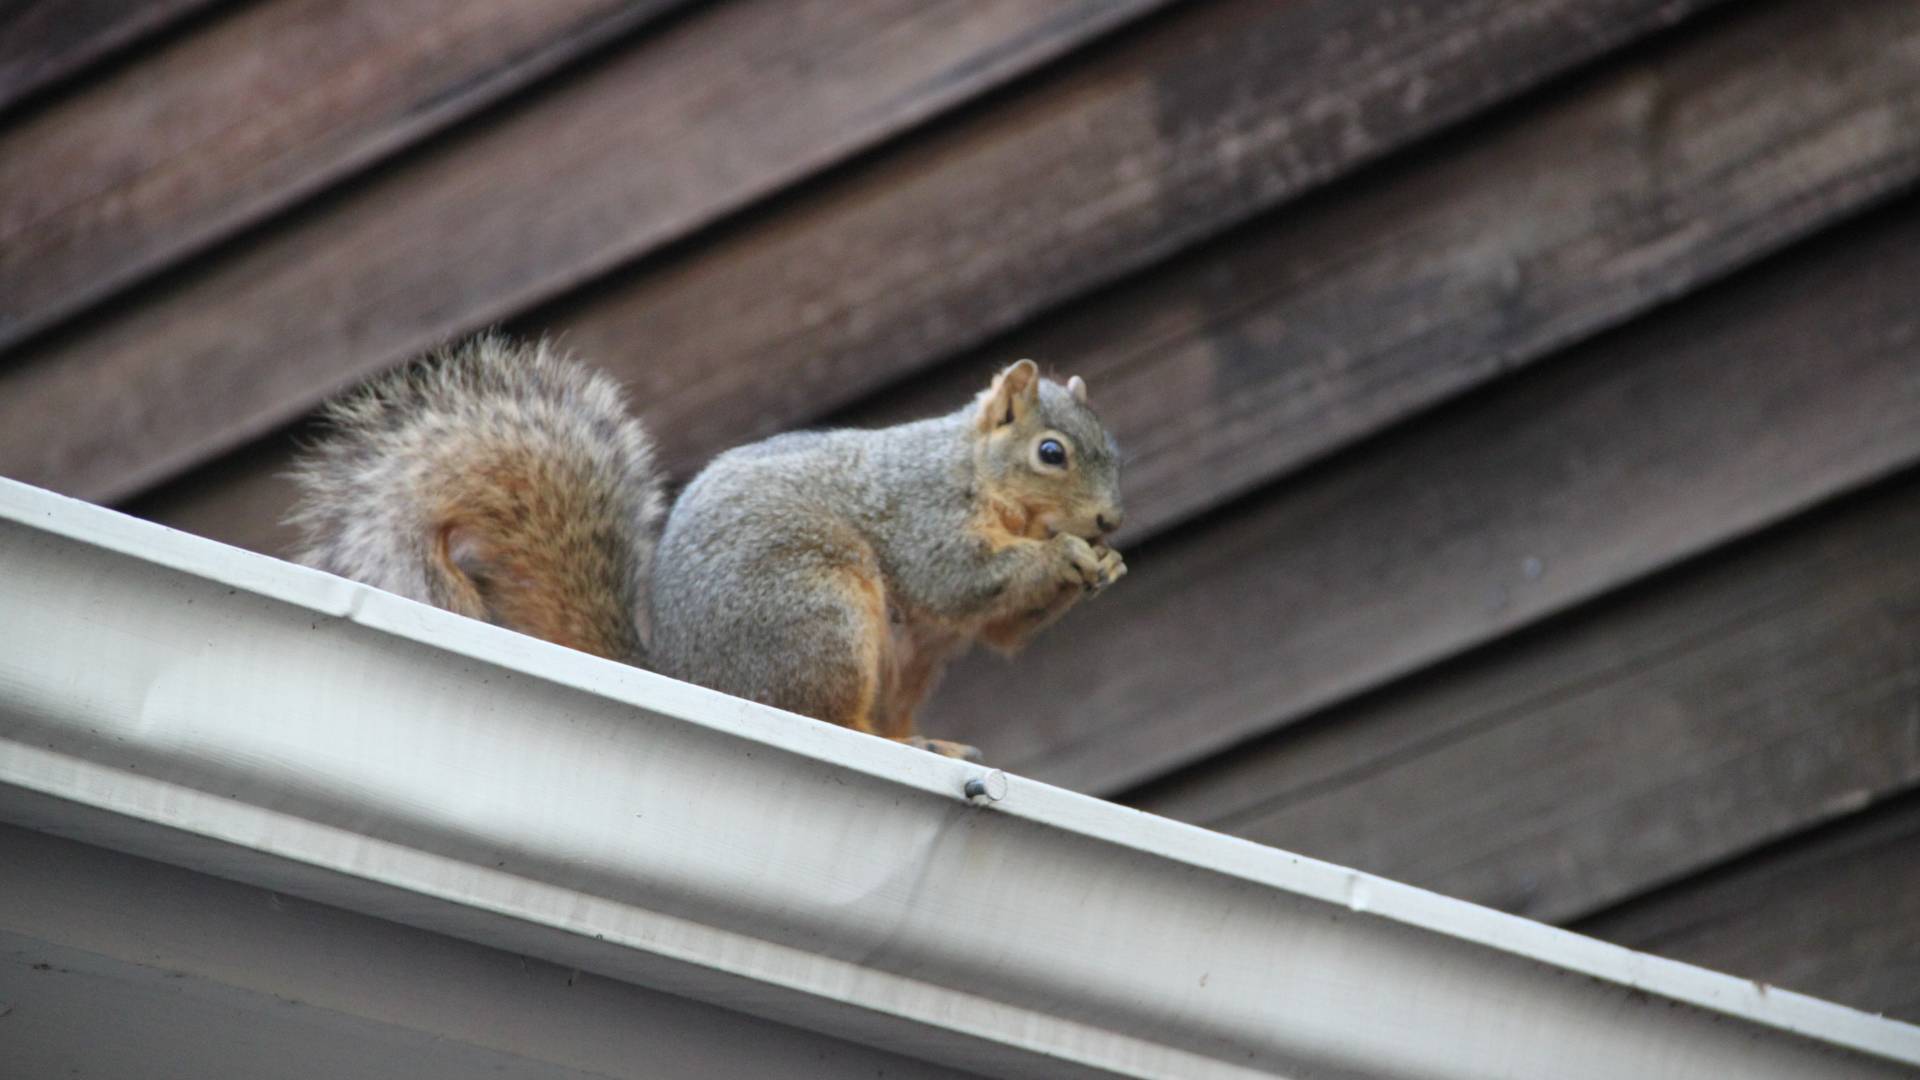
(829, 573)
(760, 525)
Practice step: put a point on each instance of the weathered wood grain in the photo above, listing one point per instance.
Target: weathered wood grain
(1200, 304)
(1222, 111)
(1830, 914)
(1310, 330)
(239, 499)
(718, 109)
(1736, 410)
(1303, 333)
(45, 41)
(1711, 712)
(1219, 111)
(244, 118)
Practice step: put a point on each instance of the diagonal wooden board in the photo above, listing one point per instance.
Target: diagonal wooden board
(1149, 345)
(718, 110)
(43, 42)
(1719, 417)
(1317, 327)
(244, 118)
(1713, 711)
(1829, 914)
(473, 232)
(1214, 114)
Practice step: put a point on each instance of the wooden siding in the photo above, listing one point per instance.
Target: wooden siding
(1831, 913)
(45, 41)
(1523, 401)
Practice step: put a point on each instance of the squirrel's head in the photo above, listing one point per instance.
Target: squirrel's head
(1041, 449)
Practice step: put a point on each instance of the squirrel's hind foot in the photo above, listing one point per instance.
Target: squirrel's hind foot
(942, 747)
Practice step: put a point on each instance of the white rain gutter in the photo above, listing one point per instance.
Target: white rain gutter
(185, 701)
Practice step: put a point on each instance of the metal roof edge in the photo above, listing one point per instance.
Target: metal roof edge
(177, 698)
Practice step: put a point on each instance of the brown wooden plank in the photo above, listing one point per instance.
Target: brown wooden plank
(383, 296)
(241, 120)
(43, 42)
(1733, 411)
(1226, 109)
(1832, 914)
(1315, 328)
(240, 499)
(1715, 710)
(1308, 331)
(720, 108)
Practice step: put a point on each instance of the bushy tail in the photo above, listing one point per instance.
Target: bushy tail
(497, 479)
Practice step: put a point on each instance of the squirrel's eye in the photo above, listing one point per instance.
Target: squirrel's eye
(1052, 453)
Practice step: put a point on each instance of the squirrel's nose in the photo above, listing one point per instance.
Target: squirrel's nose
(1109, 521)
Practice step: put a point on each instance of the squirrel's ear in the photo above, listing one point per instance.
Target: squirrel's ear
(1011, 395)
(1077, 386)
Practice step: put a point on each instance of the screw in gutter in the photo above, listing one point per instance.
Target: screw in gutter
(990, 785)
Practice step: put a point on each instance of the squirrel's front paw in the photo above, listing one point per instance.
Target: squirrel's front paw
(1110, 568)
(1093, 567)
(1079, 562)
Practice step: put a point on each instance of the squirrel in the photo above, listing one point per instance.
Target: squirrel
(828, 573)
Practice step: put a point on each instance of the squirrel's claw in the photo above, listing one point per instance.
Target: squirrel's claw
(1092, 566)
(955, 750)
(1108, 569)
(944, 747)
